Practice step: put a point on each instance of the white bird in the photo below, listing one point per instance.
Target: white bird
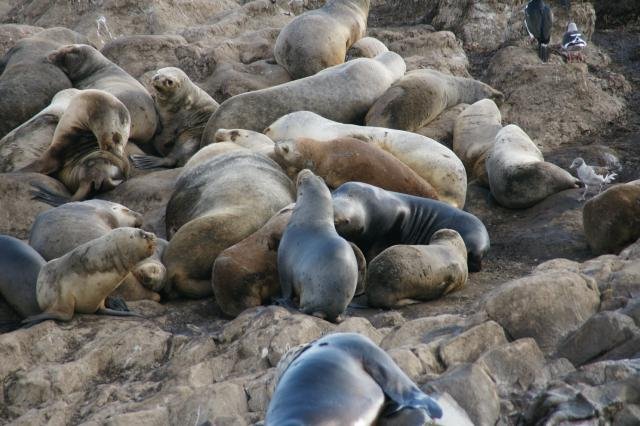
(572, 42)
(589, 177)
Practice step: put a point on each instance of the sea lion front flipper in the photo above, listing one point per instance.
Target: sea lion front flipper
(107, 311)
(407, 416)
(83, 191)
(116, 303)
(45, 195)
(145, 162)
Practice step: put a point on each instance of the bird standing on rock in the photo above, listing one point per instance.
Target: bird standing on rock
(538, 20)
(589, 177)
(572, 42)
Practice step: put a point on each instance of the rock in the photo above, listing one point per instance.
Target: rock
(220, 400)
(468, 346)
(624, 282)
(423, 330)
(633, 310)
(515, 366)
(157, 416)
(19, 209)
(611, 219)
(360, 326)
(600, 334)
(629, 416)
(473, 389)
(11, 33)
(536, 98)
(545, 306)
(387, 319)
(408, 362)
(423, 48)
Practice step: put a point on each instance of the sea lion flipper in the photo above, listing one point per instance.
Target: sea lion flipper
(145, 162)
(35, 319)
(45, 195)
(116, 303)
(113, 312)
(407, 416)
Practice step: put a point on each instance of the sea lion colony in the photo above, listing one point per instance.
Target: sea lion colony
(303, 194)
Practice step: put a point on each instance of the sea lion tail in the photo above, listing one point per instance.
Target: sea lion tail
(46, 195)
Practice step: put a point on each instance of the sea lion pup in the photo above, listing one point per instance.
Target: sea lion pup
(20, 265)
(216, 204)
(147, 278)
(418, 272)
(81, 280)
(315, 264)
(319, 39)
(28, 81)
(611, 219)
(57, 231)
(474, 133)
(88, 147)
(375, 219)
(87, 68)
(26, 143)
(366, 47)
(518, 175)
(342, 93)
(350, 381)
(246, 274)
(184, 110)
(421, 95)
(348, 159)
(432, 161)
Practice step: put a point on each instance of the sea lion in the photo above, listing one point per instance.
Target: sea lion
(315, 264)
(87, 68)
(351, 369)
(184, 110)
(518, 175)
(20, 265)
(348, 159)
(421, 95)
(611, 219)
(256, 142)
(26, 143)
(474, 133)
(28, 81)
(435, 163)
(147, 278)
(57, 231)
(81, 280)
(246, 274)
(366, 47)
(419, 272)
(88, 147)
(214, 205)
(319, 39)
(210, 151)
(342, 93)
(375, 219)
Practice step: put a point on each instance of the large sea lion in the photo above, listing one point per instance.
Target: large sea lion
(28, 81)
(518, 175)
(418, 272)
(319, 39)
(87, 68)
(435, 163)
(19, 268)
(342, 93)
(88, 146)
(474, 134)
(214, 205)
(246, 274)
(184, 110)
(366, 47)
(346, 379)
(81, 280)
(348, 159)
(26, 143)
(315, 264)
(421, 95)
(57, 231)
(375, 219)
(611, 219)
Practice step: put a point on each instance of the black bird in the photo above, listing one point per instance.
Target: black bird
(565, 4)
(538, 21)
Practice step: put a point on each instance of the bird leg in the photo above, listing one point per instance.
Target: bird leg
(584, 194)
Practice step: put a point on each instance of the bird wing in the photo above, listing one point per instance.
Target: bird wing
(588, 176)
(546, 22)
(532, 21)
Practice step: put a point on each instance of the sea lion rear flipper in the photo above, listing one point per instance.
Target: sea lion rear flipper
(35, 319)
(150, 162)
(47, 196)
(107, 311)
(116, 303)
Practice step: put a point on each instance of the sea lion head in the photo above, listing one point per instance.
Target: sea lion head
(133, 244)
(349, 216)
(289, 153)
(168, 81)
(104, 170)
(75, 60)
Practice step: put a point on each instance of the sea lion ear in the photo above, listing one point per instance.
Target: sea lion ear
(285, 148)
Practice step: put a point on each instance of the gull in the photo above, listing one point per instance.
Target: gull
(572, 42)
(589, 177)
